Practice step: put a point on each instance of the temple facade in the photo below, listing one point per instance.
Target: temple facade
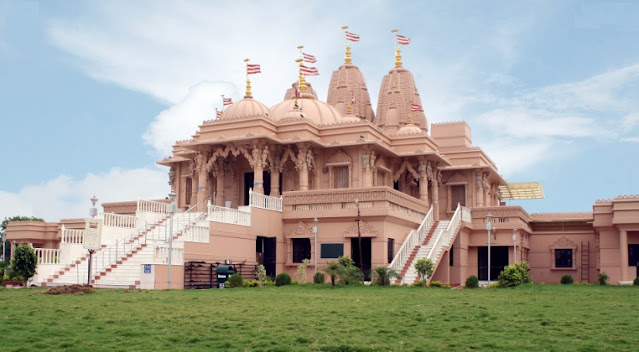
(306, 179)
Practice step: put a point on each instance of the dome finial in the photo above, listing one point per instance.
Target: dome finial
(399, 40)
(251, 69)
(349, 37)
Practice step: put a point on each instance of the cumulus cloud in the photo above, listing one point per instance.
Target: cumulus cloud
(66, 197)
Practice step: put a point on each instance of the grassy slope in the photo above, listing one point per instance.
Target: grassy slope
(532, 317)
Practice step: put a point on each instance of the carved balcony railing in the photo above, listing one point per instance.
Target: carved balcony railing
(264, 202)
(339, 199)
(504, 217)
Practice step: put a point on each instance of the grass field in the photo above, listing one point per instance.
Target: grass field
(311, 317)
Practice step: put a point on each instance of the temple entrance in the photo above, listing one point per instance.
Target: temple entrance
(249, 182)
(366, 258)
(498, 260)
(265, 254)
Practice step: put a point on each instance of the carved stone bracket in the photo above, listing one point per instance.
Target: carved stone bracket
(300, 230)
(365, 229)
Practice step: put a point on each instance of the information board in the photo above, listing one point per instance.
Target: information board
(92, 234)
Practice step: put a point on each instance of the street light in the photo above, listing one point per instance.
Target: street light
(489, 227)
(359, 238)
(315, 235)
(514, 245)
(93, 212)
(171, 211)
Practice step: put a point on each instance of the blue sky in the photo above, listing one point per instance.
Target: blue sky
(93, 93)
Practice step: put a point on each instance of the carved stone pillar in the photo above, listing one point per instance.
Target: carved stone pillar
(437, 182)
(304, 162)
(219, 193)
(202, 188)
(623, 254)
(258, 178)
(479, 190)
(423, 181)
(275, 182)
(486, 187)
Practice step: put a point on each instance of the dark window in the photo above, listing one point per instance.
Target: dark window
(633, 255)
(396, 185)
(452, 257)
(301, 249)
(458, 196)
(563, 258)
(340, 174)
(189, 190)
(332, 250)
(391, 249)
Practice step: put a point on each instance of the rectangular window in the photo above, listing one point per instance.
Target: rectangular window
(563, 258)
(189, 189)
(332, 250)
(340, 174)
(633, 255)
(391, 249)
(458, 196)
(301, 249)
(452, 257)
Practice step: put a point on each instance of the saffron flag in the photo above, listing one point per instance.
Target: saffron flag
(415, 107)
(227, 101)
(402, 40)
(252, 69)
(352, 37)
(353, 99)
(298, 94)
(309, 71)
(218, 113)
(309, 58)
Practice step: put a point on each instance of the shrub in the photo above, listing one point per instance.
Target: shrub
(523, 271)
(347, 271)
(603, 278)
(510, 277)
(260, 275)
(282, 279)
(383, 275)
(332, 270)
(567, 280)
(300, 276)
(319, 278)
(472, 282)
(24, 262)
(235, 280)
(436, 284)
(425, 268)
(636, 282)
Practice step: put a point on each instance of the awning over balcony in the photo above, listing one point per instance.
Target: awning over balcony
(521, 190)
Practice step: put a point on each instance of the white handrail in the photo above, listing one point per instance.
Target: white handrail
(47, 255)
(455, 220)
(153, 207)
(414, 238)
(161, 255)
(72, 236)
(118, 220)
(264, 202)
(229, 215)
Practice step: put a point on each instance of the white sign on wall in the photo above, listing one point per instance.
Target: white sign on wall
(92, 234)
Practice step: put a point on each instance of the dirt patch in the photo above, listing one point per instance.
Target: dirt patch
(69, 290)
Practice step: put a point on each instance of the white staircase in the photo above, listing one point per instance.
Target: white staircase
(411, 274)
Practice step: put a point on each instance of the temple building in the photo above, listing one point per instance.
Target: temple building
(307, 179)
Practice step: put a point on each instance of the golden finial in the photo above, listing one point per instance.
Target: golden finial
(248, 81)
(301, 82)
(398, 56)
(350, 103)
(347, 57)
(410, 118)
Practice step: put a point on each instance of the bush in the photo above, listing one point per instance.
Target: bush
(472, 282)
(636, 282)
(523, 271)
(436, 284)
(282, 279)
(235, 280)
(567, 280)
(514, 275)
(252, 283)
(332, 270)
(300, 276)
(383, 275)
(603, 278)
(348, 273)
(425, 268)
(24, 262)
(319, 278)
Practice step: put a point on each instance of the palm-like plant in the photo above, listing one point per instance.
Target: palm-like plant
(332, 269)
(383, 275)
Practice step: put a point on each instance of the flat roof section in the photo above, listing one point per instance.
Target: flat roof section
(521, 190)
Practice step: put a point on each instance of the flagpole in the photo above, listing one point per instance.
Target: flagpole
(248, 81)
(398, 57)
(301, 82)
(347, 56)
(222, 102)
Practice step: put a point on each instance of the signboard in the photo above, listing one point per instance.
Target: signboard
(92, 234)
(147, 268)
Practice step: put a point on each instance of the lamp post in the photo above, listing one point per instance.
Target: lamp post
(315, 251)
(4, 239)
(359, 238)
(489, 227)
(171, 211)
(93, 212)
(514, 245)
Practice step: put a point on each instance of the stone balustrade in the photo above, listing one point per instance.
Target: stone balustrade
(72, 236)
(161, 255)
(47, 255)
(152, 206)
(118, 220)
(262, 201)
(229, 215)
(503, 217)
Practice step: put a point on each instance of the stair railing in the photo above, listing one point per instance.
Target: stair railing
(414, 238)
(446, 234)
(112, 254)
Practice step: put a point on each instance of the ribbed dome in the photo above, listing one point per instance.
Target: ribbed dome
(244, 108)
(348, 82)
(397, 92)
(408, 130)
(308, 107)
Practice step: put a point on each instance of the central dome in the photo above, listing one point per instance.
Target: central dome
(307, 107)
(245, 108)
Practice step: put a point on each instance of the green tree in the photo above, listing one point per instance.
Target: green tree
(332, 269)
(425, 269)
(3, 229)
(24, 262)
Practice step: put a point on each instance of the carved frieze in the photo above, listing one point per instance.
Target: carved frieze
(301, 229)
(365, 229)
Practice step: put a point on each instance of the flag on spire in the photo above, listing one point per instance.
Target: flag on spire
(298, 94)
(402, 40)
(353, 99)
(252, 69)
(415, 107)
(218, 113)
(309, 71)
(227, 101)
(352, 36)
(309, 58)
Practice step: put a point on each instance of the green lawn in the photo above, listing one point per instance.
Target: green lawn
(531, 317)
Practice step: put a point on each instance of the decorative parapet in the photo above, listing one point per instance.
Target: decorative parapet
(501, 214)
(562, 216)
(337, 199)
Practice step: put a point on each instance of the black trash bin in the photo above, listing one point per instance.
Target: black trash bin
(223, 273)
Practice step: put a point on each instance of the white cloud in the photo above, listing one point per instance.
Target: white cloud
(538, 124)
(65, 197)
(514, 156)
